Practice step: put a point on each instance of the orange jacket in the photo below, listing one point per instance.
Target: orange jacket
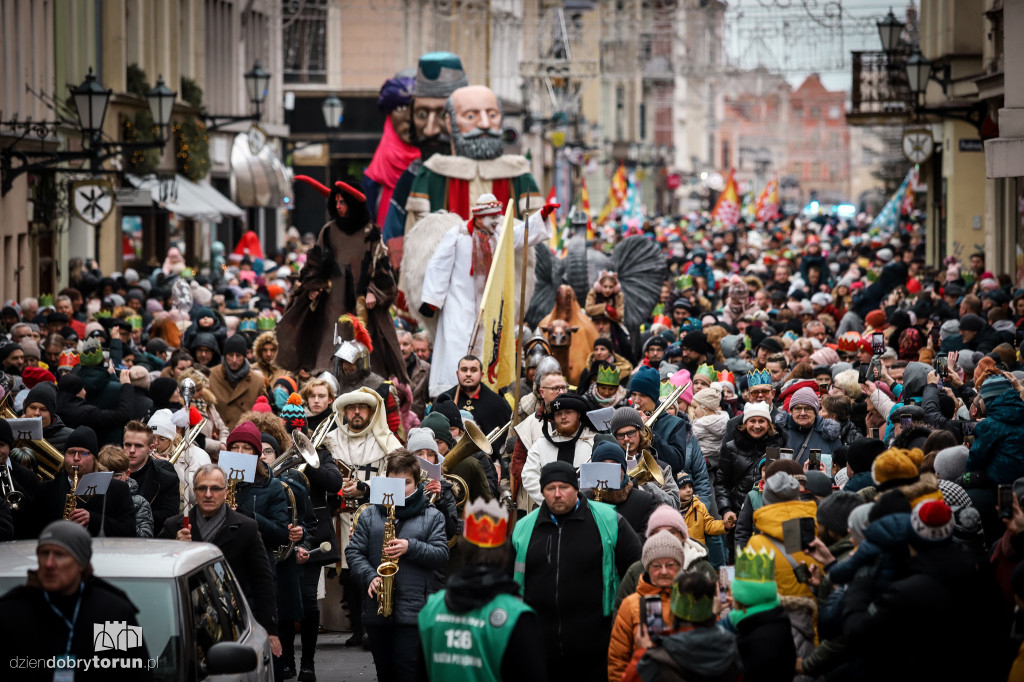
(620, 648)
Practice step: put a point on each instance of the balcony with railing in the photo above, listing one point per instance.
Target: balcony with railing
(880, 93)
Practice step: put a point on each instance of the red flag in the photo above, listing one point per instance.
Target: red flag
(768, 202)
(727, 208)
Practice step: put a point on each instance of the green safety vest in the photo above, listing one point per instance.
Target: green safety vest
(607, 524)
(468, 647)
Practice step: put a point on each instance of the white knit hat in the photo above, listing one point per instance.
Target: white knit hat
(421, 439)
(708, 398)
(756, 410)
(162, 424)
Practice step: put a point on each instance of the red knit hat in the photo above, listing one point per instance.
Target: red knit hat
(246, 432)
(36, 375)
(875, 319)
(261, 405)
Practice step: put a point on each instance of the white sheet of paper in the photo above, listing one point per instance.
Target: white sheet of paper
(631, 463)
(384, 490)
(433, 471)
(95, 483)
(609, 473)
(601, 418)
(238, 465)
(27, 429)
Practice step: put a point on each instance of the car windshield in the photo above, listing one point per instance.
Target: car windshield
(158, 615)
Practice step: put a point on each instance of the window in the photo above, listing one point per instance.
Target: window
(305, 41)
(218, 610)
(815, 113)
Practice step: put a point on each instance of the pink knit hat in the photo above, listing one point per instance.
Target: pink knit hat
(667, 517)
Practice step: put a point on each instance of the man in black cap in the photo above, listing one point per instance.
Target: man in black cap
(568, 556)
(12, 361)
(654, 351)
(54, 613)
(695, 351)
(112, 513)
(768, 347)
(976, 334)
(862, 454)
(75, 411)
(41, 402)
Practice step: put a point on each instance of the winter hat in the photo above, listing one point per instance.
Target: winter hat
(662, 546)
(161, 389)
(708, 398)
(665, 516)
(162, 424)
(647, 382)
(438, 423)
(70, 383)
(825, 356)
(884, 255)
(558, 472)
(994, 386)
(683, 479)
(293, 415)
(950, 463)
(246, 432)
(931, 521)
(875, 319)
(6, 349)
(948, 329)
(421, 439)
(781, 487)
(438, 75)
(261, 405)
(834, 511)
(606, 343)
(862, 453)
(6, 434)
(894, 467)
(609, 452)
(756, 410)
(83, 437)
(33, 376)
(818, 484)
(625, 416)
(30, 348)
(859, 520)
(236, 344)
(139, 377)
(46, 395)
(266, 438)
(71, 537)
(972, 323)
(805, 396)
(446, 406)
(695, 341)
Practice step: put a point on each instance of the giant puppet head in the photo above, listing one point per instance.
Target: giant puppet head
(438, 75)
(395, 100)
(473, 119)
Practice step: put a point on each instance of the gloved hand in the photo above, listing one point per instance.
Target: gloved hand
(427, 310)
(548, 209)
(613, 314)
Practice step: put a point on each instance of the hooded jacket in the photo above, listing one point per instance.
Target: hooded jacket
(737, 468)
(768, 520)
(825, 436)
(998, 448)
(708, 654)
(678, 447)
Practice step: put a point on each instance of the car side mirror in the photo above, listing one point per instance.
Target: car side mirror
(230, 658)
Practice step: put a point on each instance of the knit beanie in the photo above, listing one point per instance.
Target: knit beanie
(6, 349)
(756, 410)
(781, 487)
(895, 467)
(162, 424)
(421, 439)
(862, 453)
(71, 537)
(859, 520)
(662, 546)
(82, 437)
(875, 319)
(625, 416)
(246, 432)
(46, 395)
(30, 348)
(266, 438)
(972, 323)
(834, 511)
(818, 483)
(805, 396)
(236, 344)
(994, 386)
(647, 382)
(70, 383)
(666, 516)
(139, 377)
(292, 414)
(438, 423)
(609, 452)
(558, 472)
(6, 434)
(261, 405)
(950, 463)
(708, 398)
(446, 406)
(931, 522)
(161, 389)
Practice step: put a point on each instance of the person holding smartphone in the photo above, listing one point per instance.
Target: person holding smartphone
(662, 559)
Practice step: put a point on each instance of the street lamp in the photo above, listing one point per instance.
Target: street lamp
(257, 82)
(889, 30)
(91, 101)
(919, 70)
(161, 103)
(333, 109)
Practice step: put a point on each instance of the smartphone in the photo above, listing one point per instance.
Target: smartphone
(905, 422)
(941, 365)
(814, 460)
(1005, 502)
(787, 453)
(802, 573)
(772, 452)
(877, 343)
(797, 534)
(652, 612)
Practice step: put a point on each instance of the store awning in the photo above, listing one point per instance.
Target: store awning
(258, 179)
(187, 199)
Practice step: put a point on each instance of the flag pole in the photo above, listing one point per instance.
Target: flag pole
(522, 308)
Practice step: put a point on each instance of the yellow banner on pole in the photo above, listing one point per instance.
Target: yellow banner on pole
(497, 317)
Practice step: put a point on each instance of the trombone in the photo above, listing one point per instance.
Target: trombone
(300, 455)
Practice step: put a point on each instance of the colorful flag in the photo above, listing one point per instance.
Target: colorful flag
(553, 219)
(616, 193)
(497, 319)
(901, 203)
(768, 202)
(727, 208)
(585, 205)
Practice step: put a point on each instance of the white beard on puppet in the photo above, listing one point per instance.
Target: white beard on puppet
(478, 144)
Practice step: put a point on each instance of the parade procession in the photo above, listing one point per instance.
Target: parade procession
(448, 340)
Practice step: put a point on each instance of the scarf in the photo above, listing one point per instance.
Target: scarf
(209, 527)
(566, 448)
(392, 157)
(482, 251)
(235, 377)
(414, 505)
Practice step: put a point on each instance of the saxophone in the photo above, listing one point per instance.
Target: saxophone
(71, 501)
(387, 569)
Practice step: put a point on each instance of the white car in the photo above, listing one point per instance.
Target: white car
(195, 620)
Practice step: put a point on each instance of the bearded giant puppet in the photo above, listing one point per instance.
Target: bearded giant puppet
(347, 271)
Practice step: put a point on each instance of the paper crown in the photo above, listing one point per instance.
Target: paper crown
(707, 371)
(759, 378)
(69, 358)
(684, 282)
(690, 608)
(266, 322)
(102, 314)
(135, 321)
(247, 325)
(666, 389)
(607, 375)
(691, 324)
(755, 566)
(45, 300)
(486, 523)
(726, 375)
(663, 320)
(849, 341)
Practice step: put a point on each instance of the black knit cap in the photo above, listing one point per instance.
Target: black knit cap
(568, 401)
(863, 452)
(558, 472)
(236, 344)
(6, 434)
(446, 406)
(46, 395)
(70, 383)
(83, 437)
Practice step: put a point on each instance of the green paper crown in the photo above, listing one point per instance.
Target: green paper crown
(708, 371)
(45, 300)
(759, 378)
(100, 314)
(135, 321)
(684, 282)
(265, 323)
(755, 566)
(188, 273)
(658, 310)
(666, 389)
(607, 376)
(689, 608)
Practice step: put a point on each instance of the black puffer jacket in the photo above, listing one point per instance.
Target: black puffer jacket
(737, 468)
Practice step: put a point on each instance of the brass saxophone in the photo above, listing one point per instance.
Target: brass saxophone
(71, 501)
(387, 569)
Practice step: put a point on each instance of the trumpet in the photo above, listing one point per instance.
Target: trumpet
(187, 391)
(71, 500)
(13, 497)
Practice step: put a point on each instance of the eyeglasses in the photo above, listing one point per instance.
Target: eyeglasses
(561, 388)
(75, 452)
(760, 392)
(801, 408)
(623, 435)
(667, 566)
(270, 452)
(203, 489)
